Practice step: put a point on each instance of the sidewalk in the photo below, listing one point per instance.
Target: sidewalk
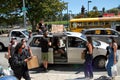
(57, 76)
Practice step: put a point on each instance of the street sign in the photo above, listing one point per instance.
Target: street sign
(24, 9)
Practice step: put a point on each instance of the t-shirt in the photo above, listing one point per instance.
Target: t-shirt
(44, 44)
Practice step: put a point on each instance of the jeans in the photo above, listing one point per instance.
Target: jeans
(88, 71)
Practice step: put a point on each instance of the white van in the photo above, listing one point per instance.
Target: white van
(75, 43)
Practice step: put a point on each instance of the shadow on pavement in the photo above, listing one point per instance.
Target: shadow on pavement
(80, 78)
(77, 68)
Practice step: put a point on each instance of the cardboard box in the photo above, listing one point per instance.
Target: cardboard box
(33, 63)
(57, 28)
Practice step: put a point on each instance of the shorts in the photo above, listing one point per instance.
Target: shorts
(45, 56)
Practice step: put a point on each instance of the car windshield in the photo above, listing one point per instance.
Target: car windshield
(95, 42)
(26, 32)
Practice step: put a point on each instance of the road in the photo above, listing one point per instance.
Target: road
(64, 68)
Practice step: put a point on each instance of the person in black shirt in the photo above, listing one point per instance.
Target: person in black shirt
(45, 43)
(19, 62)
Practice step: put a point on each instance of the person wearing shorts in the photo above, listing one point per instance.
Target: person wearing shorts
(45, 43)
(45, 56)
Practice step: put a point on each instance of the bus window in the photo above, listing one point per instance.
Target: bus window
(103, 32)
(101, 23)
(97, 32)
(108, 32)
(79, 25)
(74, 25)
(90, 23)
(95, 23)
(90, 32)
(118, 28)
(85, 24)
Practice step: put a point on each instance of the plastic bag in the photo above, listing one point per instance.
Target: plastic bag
(1, 70)
(8, 72)
(106, 64)
(114, 70)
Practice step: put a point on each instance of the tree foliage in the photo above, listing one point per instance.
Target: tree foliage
(94, 12)
(11, 10)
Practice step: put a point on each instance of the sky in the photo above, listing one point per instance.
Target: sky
(75, 5)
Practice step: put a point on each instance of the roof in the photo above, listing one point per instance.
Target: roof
(100, 29)
(19, 29)
(76, 34)
(114, 18)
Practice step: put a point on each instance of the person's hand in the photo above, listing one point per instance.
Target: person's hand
(49, 43)
(26, 60)
(115, 61)
(9, 56)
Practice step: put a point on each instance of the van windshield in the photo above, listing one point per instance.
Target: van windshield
(96, 43)
(26, 32)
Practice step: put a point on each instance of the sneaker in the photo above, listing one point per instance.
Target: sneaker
(46, 70)
(91, 77)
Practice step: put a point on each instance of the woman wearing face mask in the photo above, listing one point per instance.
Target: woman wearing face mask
(27, 48)
(111, 55)
(11, 47)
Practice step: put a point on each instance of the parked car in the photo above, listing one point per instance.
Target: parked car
(16, 33)
(75, 43)
(103, 34)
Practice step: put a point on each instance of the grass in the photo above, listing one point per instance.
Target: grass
(58, 22)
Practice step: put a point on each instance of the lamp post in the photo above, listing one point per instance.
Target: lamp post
(67, 15)
(88, 6)
(24, 13)
(70, 14)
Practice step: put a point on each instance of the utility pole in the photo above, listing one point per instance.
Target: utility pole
(24, 13)
(88, 6)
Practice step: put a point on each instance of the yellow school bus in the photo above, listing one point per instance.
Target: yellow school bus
(78, 24)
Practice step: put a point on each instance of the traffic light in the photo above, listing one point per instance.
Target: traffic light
(83, 9)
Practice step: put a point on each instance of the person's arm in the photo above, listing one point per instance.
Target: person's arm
(107, 52)
(90, 48)
(115, 50)
(18, 62)
(9, 51)
(30, 51)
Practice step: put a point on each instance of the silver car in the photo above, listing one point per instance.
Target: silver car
(103, 34)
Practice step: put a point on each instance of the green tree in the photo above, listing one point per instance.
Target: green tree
(36, 10)
(118, 7)
(114, 10)
(94, 12)
(9, 11)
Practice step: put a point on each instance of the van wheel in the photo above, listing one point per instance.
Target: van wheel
(1, 47)
(99, 62)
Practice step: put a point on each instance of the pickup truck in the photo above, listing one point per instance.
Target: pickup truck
(17, 33)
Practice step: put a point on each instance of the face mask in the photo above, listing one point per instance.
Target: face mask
(109, 40)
